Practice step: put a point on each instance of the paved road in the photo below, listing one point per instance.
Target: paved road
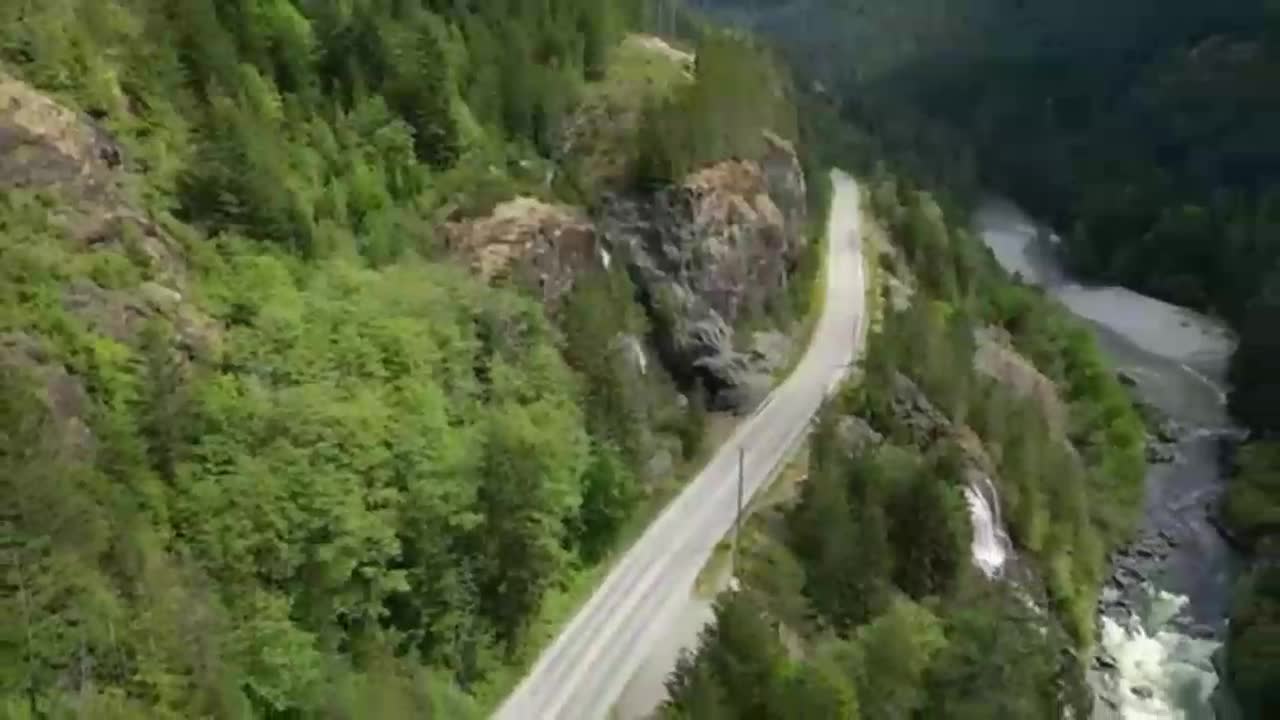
(582, 673)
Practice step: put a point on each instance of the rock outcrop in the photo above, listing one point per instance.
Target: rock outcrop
(995, 357)
(914, 414)
(78, 167)
(49, 148)
(43, 145)
(537, 245)
(706, 255)
(856, 435)
(710, 253)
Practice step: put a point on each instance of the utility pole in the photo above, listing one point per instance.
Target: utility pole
(737, 518)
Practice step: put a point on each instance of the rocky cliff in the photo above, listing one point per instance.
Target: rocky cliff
(73, 170)
(710, 254)
(534, 244)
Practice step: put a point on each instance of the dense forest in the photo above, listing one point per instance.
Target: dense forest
(267, 451)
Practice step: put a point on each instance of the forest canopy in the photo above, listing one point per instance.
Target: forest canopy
(267, 451)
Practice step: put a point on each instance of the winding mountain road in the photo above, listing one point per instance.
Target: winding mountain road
(581, 674)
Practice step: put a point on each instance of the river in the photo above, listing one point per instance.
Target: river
(1164, 608)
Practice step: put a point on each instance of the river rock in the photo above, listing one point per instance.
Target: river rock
(1169, 431)
(1161, 454)
(1202, 632)
(1224, 530)
(1142, 691)
(1126, 378)
(1127, 577)
(1105, 661)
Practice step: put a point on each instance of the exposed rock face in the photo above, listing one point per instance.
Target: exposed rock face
(64, 394)
(855, 435)
(912, 411)
(705, 254)
(729, 232)
(1132, 567)
(771, 350)
(51, 149)
(709, 252)
(995, 357)
(784, 178)
(43, 144)
(47, 147)
(597, 140)
(535, 244)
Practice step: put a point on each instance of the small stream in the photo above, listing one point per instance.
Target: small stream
(1163, 610)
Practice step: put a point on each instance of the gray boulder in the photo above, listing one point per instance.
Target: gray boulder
(771, 351)
(1161, 453)
(913, 411)
(746, 394)
(1169, 431)
(855, 435)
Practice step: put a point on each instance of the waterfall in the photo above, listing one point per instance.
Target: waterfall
(991, 546)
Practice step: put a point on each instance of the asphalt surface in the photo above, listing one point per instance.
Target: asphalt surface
(581, 674)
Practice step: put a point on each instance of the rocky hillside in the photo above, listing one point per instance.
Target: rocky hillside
(711, 255)
(122, 270)
(321, 376)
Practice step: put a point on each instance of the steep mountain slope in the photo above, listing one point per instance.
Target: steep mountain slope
(269, 448)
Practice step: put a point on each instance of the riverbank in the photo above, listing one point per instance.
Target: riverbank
(1163, 609)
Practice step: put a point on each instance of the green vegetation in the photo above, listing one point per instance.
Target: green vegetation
(1252, 511)
(1255, 637)
(266, 451)
(600, 148)
(738, 92)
